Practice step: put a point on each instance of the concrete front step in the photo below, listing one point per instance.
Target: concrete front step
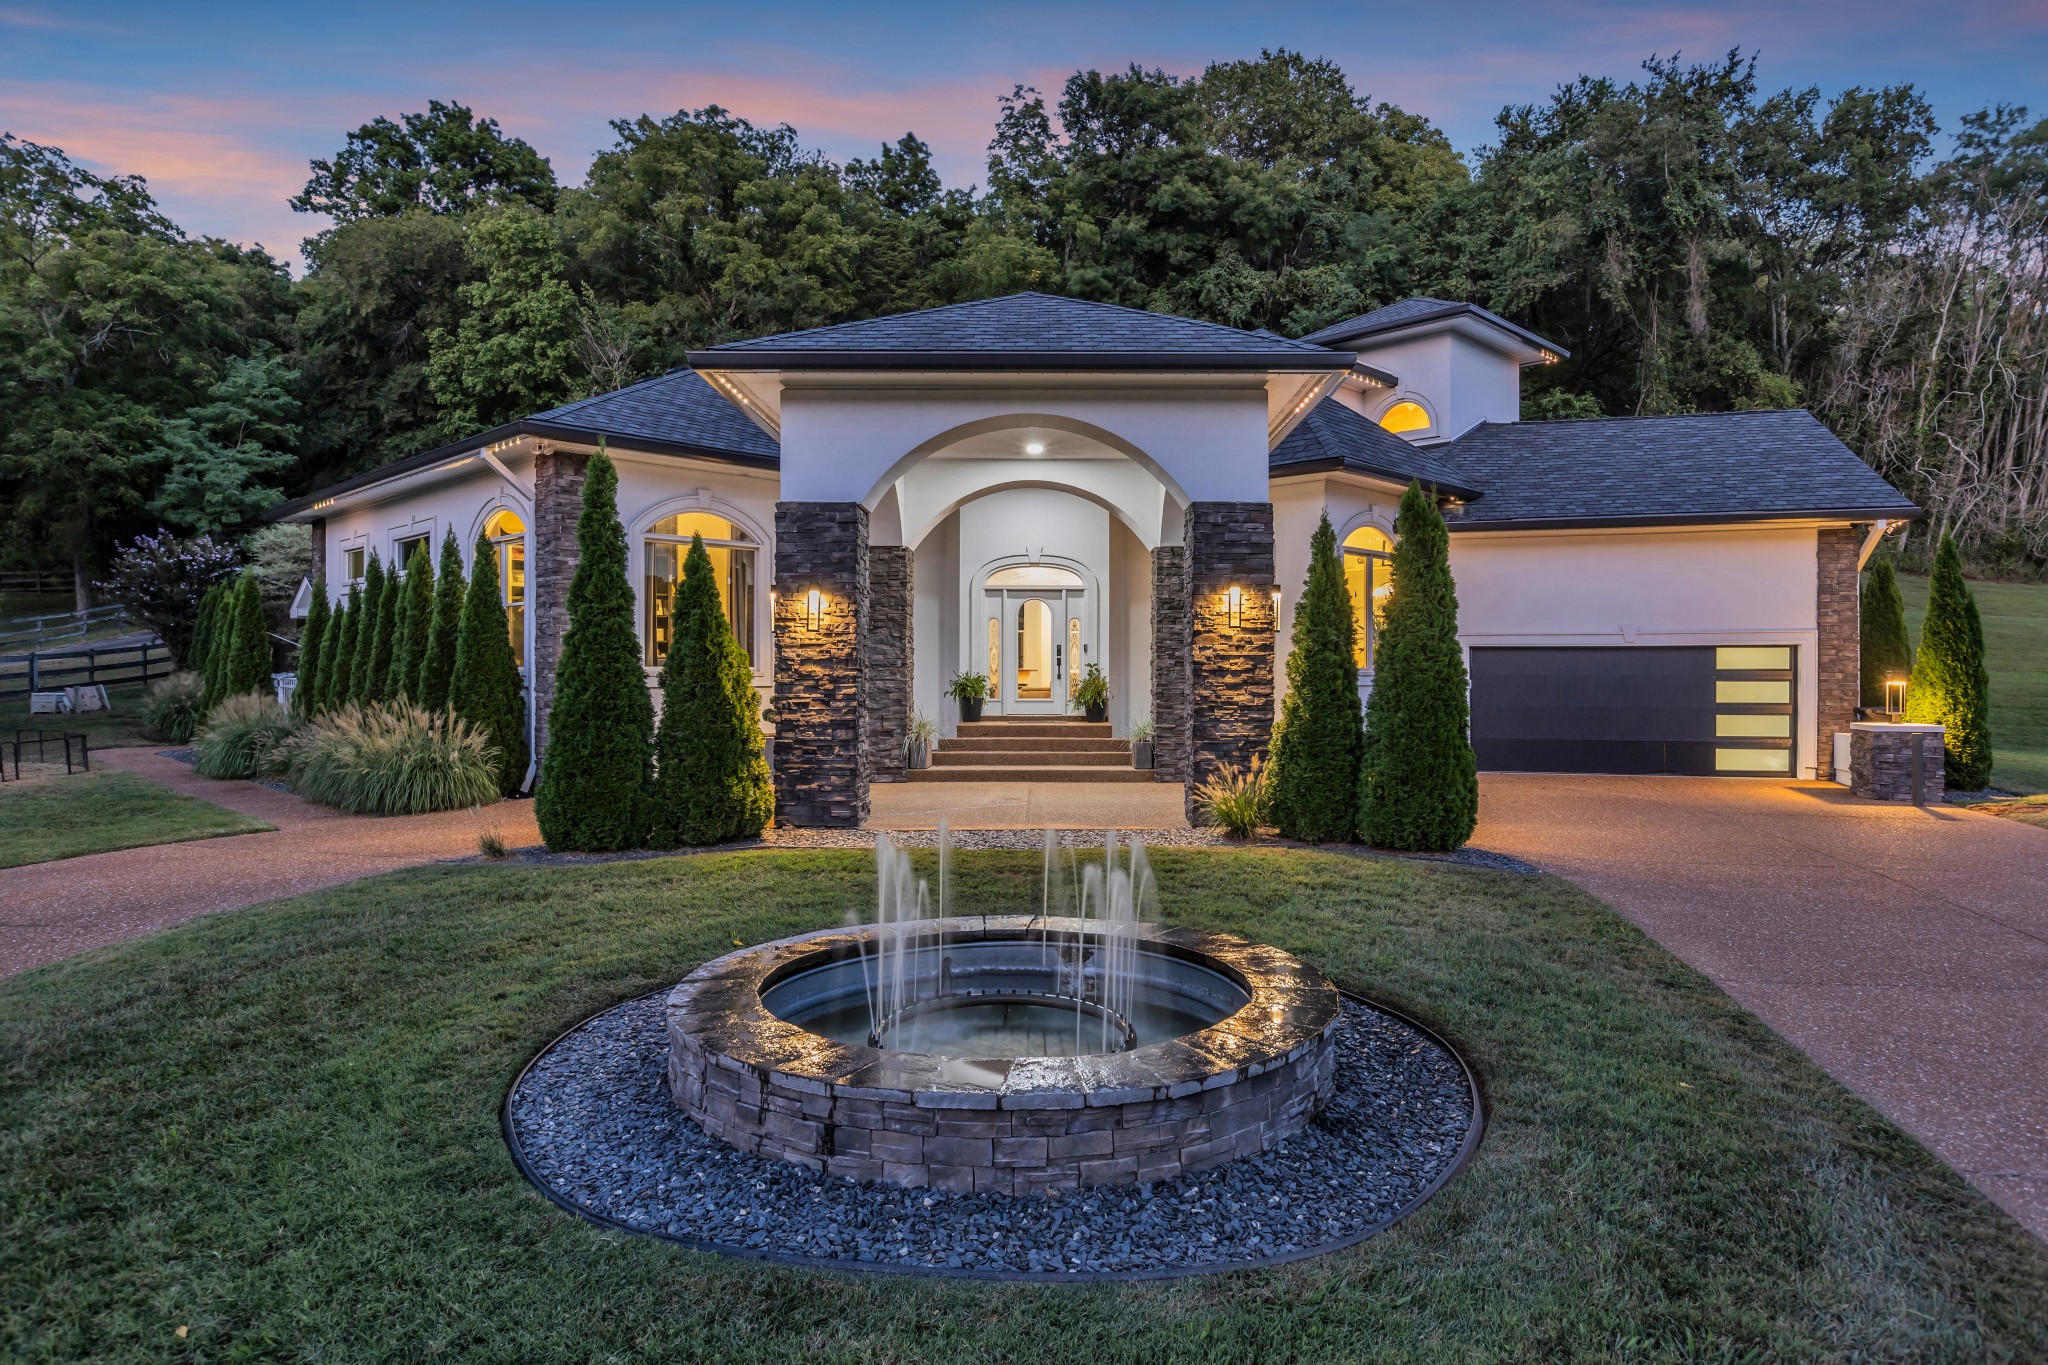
(1090, 744)
(1038, 774)
(1040, 729)
(950, 757)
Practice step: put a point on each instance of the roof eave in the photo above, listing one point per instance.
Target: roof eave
(556, 431)
(1468, 523)
(1473, 311)
(1336, 465)
(1034, 361)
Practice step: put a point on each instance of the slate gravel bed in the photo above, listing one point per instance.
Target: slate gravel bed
(592, 1119)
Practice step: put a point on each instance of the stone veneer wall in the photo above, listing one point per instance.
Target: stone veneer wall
(886, 662)
(1054, 1143)
(318, 527)
(1881, 764)
(1170, 635)
(1230, 668)
(1838, 618)
(821, 742)
(551, 558)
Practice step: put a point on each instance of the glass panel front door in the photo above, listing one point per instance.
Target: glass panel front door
(1033, 665)
(1037, 640)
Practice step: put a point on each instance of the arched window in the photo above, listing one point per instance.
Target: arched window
(1369, 573)
(507, 534)
(1406, 416)
(1034, 576)
(732, 562)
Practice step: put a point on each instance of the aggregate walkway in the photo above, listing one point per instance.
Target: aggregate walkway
(1904, 950)
(52, 910)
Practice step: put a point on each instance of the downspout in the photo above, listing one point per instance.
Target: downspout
(1877, 530)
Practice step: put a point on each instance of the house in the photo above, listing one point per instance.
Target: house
(1025, 486)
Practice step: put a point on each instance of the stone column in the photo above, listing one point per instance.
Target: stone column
(318, 529)
(1838, 618)
(1170, 637)
(821, 751)
(1230, 658)
(551, 558)
(886, 660)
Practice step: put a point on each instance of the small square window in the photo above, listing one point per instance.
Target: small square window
(403, 547)
(352, 563)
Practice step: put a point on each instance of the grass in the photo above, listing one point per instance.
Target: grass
(118, 727)
(2016, 652)
(276, 1130)
(59, 815)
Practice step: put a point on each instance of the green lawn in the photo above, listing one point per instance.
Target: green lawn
(56, 815)
(278, 1129)
(2016, 651)
(118, 727)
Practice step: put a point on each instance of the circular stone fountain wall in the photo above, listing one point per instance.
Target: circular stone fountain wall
(1024, 1124)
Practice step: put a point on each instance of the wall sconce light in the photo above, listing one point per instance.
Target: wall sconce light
(1236, 600)
(1895, 696)
(1276, 606)
(814, 609)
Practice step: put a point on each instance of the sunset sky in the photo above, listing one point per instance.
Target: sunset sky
(221, 105)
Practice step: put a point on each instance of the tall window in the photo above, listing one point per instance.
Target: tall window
(1369, 573)
(507, 534)
(732, 559)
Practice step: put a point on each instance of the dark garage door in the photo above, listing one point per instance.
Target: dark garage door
(1651, 710)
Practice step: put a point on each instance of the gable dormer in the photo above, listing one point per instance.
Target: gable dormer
(1457, 365)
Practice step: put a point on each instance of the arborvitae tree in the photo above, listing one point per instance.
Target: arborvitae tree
(338, 689)
(360, 688)
(712, 780)
(1885, 651)
(312, 639)
(1313, 780)
(207, 632)
(202, 627)
(1950, 685)
(1419, 783)
(485, 688)
(437, 660)
(416, 617)
(594, 776)
(247, 665)
(389, 612)
(331, 660)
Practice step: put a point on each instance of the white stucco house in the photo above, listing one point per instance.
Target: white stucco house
(1024, 486)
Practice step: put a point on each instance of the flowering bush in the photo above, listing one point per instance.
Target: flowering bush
(161, 578)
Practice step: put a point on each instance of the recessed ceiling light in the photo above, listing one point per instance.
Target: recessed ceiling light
(1034, 447)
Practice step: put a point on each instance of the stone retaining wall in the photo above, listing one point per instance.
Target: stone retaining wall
(1881, 762)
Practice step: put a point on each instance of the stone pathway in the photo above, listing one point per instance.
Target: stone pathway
(1904, 950)
(52, 910)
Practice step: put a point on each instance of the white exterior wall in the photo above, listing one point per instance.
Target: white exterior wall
(1713, 586)
(1459, 380)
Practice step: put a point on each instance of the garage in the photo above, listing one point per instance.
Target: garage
(1704, 711)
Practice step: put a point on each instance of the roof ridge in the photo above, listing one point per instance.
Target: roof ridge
(576, 403)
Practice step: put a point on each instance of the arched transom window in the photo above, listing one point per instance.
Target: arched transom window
(507, 534)
(1406, 416)
(732, 560)
(1369, 574)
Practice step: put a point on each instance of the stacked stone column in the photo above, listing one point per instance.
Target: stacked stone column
(887, 659)
(552, 555)
(1230, 655)
(1838, 620)
(1170, 644)
(318, 528)
(821, 748)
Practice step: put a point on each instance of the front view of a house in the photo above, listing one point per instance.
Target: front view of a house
(1026, 486)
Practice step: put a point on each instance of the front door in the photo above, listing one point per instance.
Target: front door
(1038, 641)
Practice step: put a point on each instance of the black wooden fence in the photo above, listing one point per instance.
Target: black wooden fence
(58, 669)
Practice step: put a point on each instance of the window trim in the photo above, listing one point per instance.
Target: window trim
(1417, 433)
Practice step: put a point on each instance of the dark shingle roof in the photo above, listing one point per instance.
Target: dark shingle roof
(1732, 466)
(1334, 436)
(677, 408)
(1021, 328)
(1411, 312)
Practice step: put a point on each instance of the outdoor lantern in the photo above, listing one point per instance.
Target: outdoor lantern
(814, 609)
(1236, 606)
(1895, 696)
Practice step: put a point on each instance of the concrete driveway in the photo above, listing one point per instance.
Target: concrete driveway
(1904, 950)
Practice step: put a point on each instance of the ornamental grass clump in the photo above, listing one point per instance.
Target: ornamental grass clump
(393, 759)
(1234, 799)
(243, 736)
(170, 713)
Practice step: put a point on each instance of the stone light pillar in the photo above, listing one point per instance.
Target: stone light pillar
(1170, 646)
(1838, 616)
(886, 661)
(1230, 659)
(821, 748)
(552, 555)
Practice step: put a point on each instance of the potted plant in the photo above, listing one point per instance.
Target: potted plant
(1141, 745)
(970, 690)
(1093, 694)
(924, 737)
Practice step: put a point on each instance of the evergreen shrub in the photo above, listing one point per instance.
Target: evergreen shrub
(416, 617)
(377, 678)
(245, 665)
(437, 659)
(1950, 685)
(1313, 780)
(312, 644)
(360, 688)
(485, 688)
(1883, 631)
